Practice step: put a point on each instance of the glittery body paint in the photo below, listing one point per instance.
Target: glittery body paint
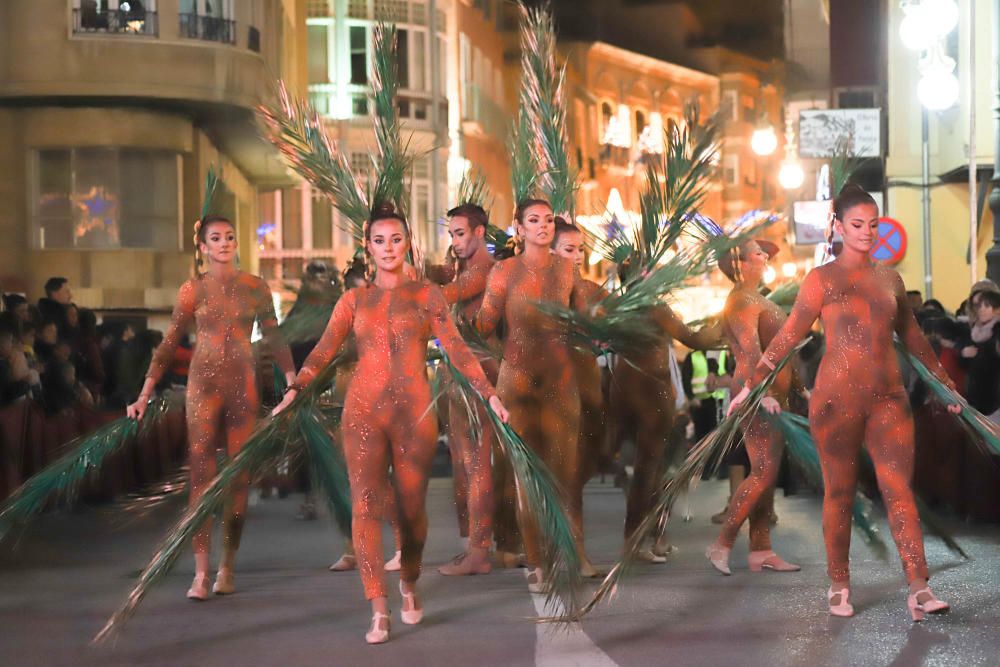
(222, 400)
(859, 399)
(471, 460)
(750, 322)
(386, 419)
(642, 406)
(592, 412)
(537, 382)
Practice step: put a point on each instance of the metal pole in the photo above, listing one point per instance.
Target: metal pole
(926, 189)
(993, 254)
(973, 158)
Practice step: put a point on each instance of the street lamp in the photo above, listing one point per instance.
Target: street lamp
(764, 140)
(924, 26)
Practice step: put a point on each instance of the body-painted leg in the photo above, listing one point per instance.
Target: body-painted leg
(889, 440)
(838, 430)
(366, 449)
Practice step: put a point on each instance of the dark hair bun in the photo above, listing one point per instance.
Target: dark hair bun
(384, 209)
(851, 195)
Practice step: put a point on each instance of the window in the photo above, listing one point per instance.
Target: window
(731, 169)
(359, 54)
(403, 57)
(132, 17)
(106, 198)
(607, 114)
(210, 20)
(640, 124)
(730, 105)
(319, 53)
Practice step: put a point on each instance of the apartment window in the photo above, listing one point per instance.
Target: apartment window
(607, 114)
(403, 57)
(105, 198)
(731, 169)
(359, 54)
(318, 53)
(640, 124)
(209, 20)
(730, 105)
(132, 17)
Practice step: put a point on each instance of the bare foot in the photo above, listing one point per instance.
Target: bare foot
(475, 561)
(345, 563)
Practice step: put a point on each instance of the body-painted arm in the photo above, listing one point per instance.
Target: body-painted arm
(706, 338)
(805, 312)
(469, 284)
(273, 338)
(180, 322)
(337, 329)
(444, 329)
(494, 300)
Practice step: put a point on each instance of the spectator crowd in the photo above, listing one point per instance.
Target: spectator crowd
(57, 354)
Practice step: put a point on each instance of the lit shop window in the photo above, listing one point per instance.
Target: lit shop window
(106, 198)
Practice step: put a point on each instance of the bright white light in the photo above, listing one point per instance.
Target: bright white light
(942, 14)
(938, 89)
(595, 258)
(791, 176)
(769, 275)
(915, 30)
(788, 269)
(926, 22)
(764, 141)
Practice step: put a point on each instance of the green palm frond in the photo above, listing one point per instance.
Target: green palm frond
(544, 100)
(523, 161)
(473, 189)
(296, 130)
(212, 179)
(620, 322)
(844, 163)
(543, 500)
(85, 456)
(391, 159)
(712, 448)
(675, 187)
(278, 437)
(984, 432)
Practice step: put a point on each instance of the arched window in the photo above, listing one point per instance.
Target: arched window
(607, 113)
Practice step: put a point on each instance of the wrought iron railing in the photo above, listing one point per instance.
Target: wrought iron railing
(116, 21)
(208, 28)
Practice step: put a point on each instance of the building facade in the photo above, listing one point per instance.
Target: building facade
(949, 147)
(298, 224)
(111, 112)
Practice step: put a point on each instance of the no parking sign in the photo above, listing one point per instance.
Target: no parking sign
(890, 247)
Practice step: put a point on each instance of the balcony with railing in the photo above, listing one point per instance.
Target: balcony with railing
(115, 21)
(414, 107)
(208, 28)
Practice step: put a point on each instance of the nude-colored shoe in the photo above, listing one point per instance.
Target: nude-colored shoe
(378, 634)
(345, 563)
(649, 556)
(395, 564)
(224, 584)
(929, 605)
(719, 557)
(843, 609)
(768, 560)
(536, 581)
(199, 588)
(411, 616)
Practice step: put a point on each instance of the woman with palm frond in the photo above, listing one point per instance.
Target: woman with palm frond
(222, 395)
(642, 408)
(569, 243)
(859, 398)
(536, 378)
(356, 276)
(385, 420)
(750, 321)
